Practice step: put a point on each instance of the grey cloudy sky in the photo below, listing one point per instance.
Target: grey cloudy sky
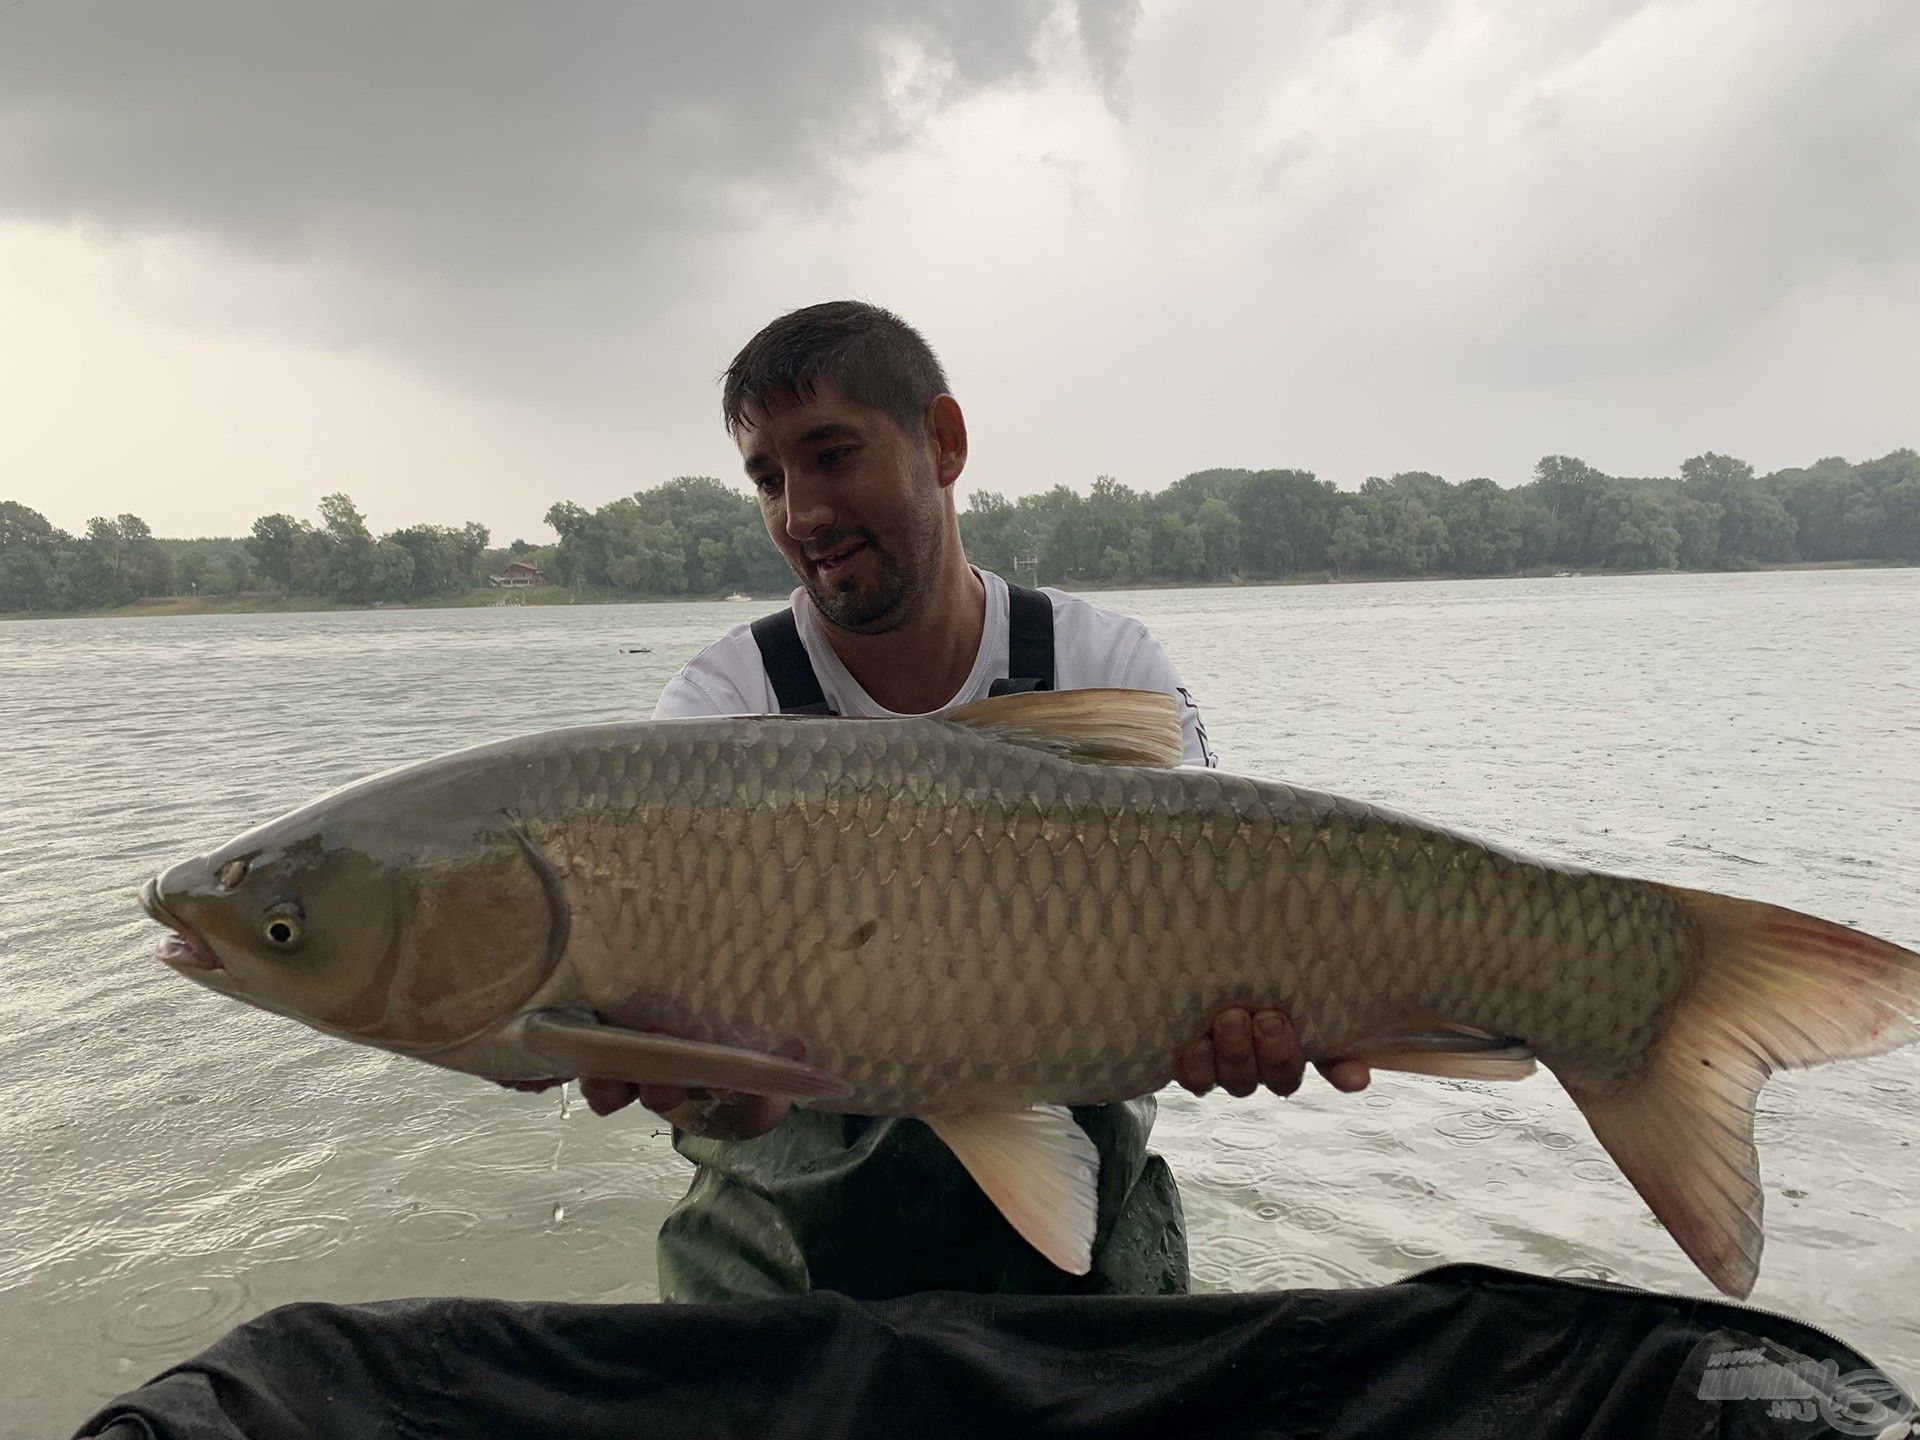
(464, 259)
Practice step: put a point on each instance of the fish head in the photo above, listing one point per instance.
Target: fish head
(398, 917)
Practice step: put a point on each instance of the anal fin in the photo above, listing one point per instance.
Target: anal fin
(1039, 1168)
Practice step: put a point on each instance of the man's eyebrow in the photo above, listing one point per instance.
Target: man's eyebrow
(826, 430)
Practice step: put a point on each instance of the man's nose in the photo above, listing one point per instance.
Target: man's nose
(809, 508)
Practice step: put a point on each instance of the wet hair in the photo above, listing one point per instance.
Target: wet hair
(873, 356)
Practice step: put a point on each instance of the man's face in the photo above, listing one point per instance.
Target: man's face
(855, 505)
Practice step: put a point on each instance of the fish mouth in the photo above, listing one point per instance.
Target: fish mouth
(183, 948)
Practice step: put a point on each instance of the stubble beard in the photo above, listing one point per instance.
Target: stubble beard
(900, 590)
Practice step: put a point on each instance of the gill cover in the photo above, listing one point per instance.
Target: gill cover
(485, 927)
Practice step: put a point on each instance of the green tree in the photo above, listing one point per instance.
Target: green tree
(1185, 496)
(391, 567)
(1639, 529)
(1569, 489)
(1390, 529)
(1754, 525)
(193, 573)
(1900, 514)
(1817, 499)
(93, 575)
(231, 574)
(1351, 549)
(444, 560)
(1219, 531)
(1484, 527)
(29, 551)
(1286, 521)
(149, 569)
(1176, 550)
(581, 557)
(348, 573)
(991, 531)
(1697, 523)
(274, 547)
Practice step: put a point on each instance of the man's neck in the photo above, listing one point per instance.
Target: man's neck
(921, 666)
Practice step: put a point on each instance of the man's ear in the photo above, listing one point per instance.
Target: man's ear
(947, 428)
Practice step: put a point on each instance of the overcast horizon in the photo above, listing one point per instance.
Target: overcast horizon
(463, 261)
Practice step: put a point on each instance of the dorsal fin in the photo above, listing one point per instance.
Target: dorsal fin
(1097, 727)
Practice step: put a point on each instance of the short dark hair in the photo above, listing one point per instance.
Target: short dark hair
(873, 356)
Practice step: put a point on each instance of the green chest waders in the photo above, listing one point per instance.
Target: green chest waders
(879, 1207)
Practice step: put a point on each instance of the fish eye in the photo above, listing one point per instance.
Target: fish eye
(283, 925)
(232, 873)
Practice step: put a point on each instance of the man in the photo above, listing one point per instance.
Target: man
(843, 419)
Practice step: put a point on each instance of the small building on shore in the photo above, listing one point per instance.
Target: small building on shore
(518, 575)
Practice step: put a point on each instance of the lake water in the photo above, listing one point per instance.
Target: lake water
(172, 1163)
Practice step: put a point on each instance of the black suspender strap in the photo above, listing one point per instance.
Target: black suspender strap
(1029, 643)
(797, 688)
(789, 670)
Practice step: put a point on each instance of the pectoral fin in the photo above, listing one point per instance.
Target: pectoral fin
(580, 1045)
(1039, 1168)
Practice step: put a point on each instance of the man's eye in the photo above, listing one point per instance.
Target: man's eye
(767, 484)
(833, 457)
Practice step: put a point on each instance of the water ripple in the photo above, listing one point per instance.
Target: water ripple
(174, 1314)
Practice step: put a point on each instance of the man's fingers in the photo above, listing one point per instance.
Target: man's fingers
(1243, 1051)
(1347, 1075)
(746, 1117)
(603, 1097)
(662, 1098)
(1194, 1070)
(1233, 1058)
(1277, 1052)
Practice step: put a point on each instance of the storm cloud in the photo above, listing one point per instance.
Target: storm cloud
(1148, 237)
(488, 184)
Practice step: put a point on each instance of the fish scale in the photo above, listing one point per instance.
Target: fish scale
(1049, 930)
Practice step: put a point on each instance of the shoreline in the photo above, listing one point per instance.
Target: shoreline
(486, 598)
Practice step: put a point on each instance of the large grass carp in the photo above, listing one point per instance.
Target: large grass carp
(981, 918)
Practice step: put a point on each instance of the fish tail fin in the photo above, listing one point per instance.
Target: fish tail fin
(1774, 990)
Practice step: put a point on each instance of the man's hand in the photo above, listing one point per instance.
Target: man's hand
(1245, 1050)
(710, 1114)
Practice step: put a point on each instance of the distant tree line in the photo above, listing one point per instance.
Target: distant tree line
(118, 561)
(339, 559)
(690, 536)
(695, 536)
(1218, 525)
(112, 563)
